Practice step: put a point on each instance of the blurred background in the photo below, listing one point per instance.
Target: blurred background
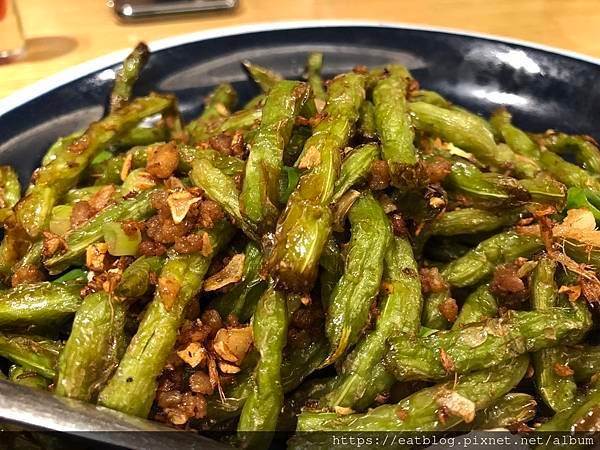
(58, 34)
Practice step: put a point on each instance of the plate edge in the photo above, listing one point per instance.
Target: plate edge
(65, 76)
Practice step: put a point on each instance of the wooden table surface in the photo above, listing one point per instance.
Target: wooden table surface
(61, 33)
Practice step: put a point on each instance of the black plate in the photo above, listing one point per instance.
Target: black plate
(543, 89)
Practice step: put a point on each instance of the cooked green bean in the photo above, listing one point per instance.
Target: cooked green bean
(393, 123)
(44, 304)
(128, 75)
(261, 409)
(478, 306)
(62, 173)
(265, 78)
(34, 353)
(260, 191)
(558, 392)
(217, 105)
(133, 386)
(20, 375)
(351, 299)
(584, 149)
(135, 280)
(483, 345)
(314, 65)
(94, 347)
(303, 228)
(355, 167)
(474, 392)
(399, 312)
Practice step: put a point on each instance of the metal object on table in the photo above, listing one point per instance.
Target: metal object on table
(151, 9)
(31, 408)
(12, 42)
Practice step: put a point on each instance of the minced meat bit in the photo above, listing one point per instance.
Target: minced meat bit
(380, 176)
(399, 227)
(449, 309)
(52, 244)
(27, 274)
(82, 211)
(162, 160)
(437, 169)
(507, 286)
(102, 198)
(229, 143)
(151, 248)
(431, 280)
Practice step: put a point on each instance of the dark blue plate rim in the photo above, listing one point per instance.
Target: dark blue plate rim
(41, 87)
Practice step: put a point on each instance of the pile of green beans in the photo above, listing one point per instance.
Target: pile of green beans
(415, 235)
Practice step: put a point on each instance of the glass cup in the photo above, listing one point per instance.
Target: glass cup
(12, 42)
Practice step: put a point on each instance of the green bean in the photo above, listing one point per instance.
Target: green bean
(72, 275)
(133, 386)
(243, 120)
(287, 183)
(584, 149)
(223, 190)
(95, 345)
(260, 190)
(135, 280)
(355, 167)
(399, 312)
(216, 106)
(393, 122)
(41, 304)
(567, 173)
(512, 409)
(470, 133)
(584, 198)
(475, 392)
(582, 416)
(60, 146)
(261, 409)
(10, 191)
(517, 139)
(52, 181)
(295, 367)
(142, 136)
(545, 190)
(483, 345)
(81, 194)
(18, 374)
(471, 221)
(229, 165)
(351, 299)
(314, 65)
(34, 353)
(265, 78)
(78, 240)
(432, 97)
(242, 298)
(478, 306)
(367, 127)
(558, 392)
(584, 360)
(481, 261)
(304, 226)
(127, 76)
(494, 188)
(432, 316)
(295, 145)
